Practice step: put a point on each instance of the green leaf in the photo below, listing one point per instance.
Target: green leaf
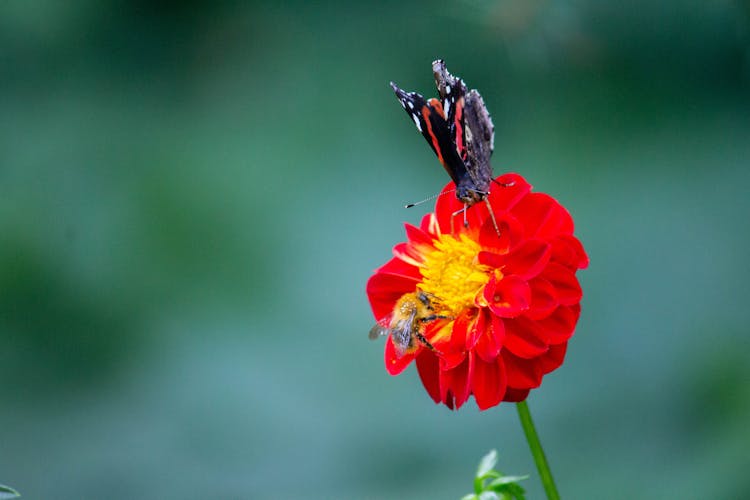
(489, 495)
(506, 480)
(487, 463)
(7, 492)
(510, 490)
(470, 496)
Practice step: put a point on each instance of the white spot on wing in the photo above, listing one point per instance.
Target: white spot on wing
(447, 89)
(447, 107)
(411, 105)
(416, 122)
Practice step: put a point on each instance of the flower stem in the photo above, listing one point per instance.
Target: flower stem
(536, 450)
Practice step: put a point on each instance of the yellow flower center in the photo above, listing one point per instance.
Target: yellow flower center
(451, 274)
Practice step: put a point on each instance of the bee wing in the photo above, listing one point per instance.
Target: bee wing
(402, 333)
(378, 331)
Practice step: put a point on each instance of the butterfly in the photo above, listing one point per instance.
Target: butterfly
(458, 128)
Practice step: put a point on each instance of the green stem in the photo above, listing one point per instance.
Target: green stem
(536, 450)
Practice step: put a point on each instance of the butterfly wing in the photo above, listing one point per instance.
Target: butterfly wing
(480, 142)
(472, 130)
(430, 119)
(452, 91)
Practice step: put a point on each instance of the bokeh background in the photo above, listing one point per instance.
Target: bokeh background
(192, 197)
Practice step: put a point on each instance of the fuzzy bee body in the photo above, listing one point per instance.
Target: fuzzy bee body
(411, 312)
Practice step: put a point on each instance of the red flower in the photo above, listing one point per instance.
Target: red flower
(498, 309)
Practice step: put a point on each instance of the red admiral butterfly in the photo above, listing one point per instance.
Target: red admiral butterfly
(459, 130)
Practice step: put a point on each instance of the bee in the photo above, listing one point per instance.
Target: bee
(412, 311)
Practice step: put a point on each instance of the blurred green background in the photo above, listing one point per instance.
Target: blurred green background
(192, 197)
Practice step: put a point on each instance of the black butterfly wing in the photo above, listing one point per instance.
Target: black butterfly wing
(472, 130)
(430, 119)
(452, 91)
(480, 142)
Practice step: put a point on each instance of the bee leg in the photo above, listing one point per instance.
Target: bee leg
(433, 317)
(426, 342)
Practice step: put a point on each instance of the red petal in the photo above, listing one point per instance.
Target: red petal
(559, 221)
(554, 357)
(583, 259)
(477, 329)
(490, 344)
(429, 372)
(543, 299)
(515, 395)
(488, 382)
(522, 373)
(543, 216)
(429, 224)
(511, 233)
(491, 259)
(394, 363)
(560, 325)
(532, 211)
(407, 252)
(568, 251)
(450, 218)
(522, 339)
(384, 290)
(498, 330)
(451, 359)
(398, 267)
(417, 236)
(454, 350)
(503, 198)
(454, 384)
(566, 285)
(491, 240)
(509, 297)
(528, 259)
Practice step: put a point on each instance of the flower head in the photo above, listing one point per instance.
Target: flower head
(499, 307)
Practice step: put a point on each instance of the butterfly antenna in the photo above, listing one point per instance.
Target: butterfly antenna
(428, 199)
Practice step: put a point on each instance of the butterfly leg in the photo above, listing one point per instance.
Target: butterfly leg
(504, 184)
(456, 213)
(492, 216)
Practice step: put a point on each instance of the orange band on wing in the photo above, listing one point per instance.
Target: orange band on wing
(437, 106)
(435, 144)
(459, 129)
